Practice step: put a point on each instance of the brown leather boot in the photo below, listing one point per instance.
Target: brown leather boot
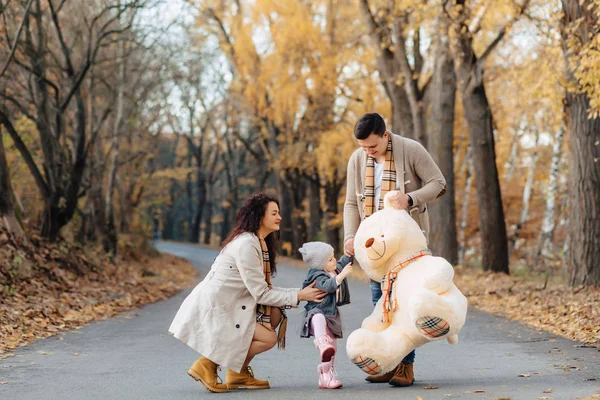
(385, 378)
(404, 375)
(244, 380)
(205, 371)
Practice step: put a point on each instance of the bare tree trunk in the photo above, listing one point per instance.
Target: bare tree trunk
(314, 202)
(332, 223)
(526, 195)
(470, 74)
(494, 246)
(512, 157)
(584, 169)
(208, 215)
(293, 224)
(545, 245)
(111, 242)
(442, 95)
(287, 219)
(464, 217)
(7, 209)
(126, 207)
(200, 205)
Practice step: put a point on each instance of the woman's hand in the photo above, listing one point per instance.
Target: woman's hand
(310, 293)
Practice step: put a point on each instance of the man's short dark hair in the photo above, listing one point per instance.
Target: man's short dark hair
(367, 124)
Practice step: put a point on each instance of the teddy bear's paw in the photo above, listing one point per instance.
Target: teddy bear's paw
(432, 327)
(453, 339)
(368, 365)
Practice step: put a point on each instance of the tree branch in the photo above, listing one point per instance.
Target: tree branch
(497, 39)
(20, 145)
(16, 39)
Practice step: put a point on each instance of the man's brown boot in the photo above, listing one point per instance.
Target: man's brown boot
(404, 375)
(385, 378)
(205, 371)
(244, 380)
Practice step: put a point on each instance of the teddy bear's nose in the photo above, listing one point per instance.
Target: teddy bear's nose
(369, 242)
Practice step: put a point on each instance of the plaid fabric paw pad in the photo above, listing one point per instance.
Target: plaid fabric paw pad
(433, 327)
(368, 365)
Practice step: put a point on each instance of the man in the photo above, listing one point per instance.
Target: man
(387, 162)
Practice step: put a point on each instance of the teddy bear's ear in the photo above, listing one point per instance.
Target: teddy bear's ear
(388, 199)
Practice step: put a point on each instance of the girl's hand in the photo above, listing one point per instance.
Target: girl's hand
(349, 267)
(309, 293)
(347, 270)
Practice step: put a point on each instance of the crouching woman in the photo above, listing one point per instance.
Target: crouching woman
(233, 314)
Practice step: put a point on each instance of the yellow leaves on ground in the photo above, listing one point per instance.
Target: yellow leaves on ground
(569, 312)
(56, 298)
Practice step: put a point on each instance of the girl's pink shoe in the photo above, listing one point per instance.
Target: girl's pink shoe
(324, 344)
(327, 376)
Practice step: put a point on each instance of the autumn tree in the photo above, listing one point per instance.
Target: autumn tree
(290, 91)
(421, 87)
(466, 22)
(51, 95)
(580, 31)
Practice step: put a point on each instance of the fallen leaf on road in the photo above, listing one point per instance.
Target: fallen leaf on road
(524, 375)
(480, 391)
(3, 383)
(431, 387)
(45, 353)
(549, 390)
(544, 398)
(75, 354)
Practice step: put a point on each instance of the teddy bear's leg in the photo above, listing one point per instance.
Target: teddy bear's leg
(373, 322)
(440, 281)
(377, 353)
(431, 314)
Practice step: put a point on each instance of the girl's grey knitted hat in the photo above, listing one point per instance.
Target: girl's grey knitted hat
(316, 254)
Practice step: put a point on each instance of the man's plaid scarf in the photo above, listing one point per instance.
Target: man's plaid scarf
(387, 285)
(388, 182)
(264, 312)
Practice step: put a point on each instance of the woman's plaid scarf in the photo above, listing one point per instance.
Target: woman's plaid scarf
(264, 312)
(387, 285)
(388, 182)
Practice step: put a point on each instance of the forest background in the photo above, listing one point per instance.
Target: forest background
(128, 120)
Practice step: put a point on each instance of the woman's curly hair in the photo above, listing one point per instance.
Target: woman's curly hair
(248, 219)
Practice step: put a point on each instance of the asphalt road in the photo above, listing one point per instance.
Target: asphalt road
(133, 357)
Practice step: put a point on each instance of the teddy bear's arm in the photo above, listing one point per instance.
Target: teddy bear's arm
(439, 280)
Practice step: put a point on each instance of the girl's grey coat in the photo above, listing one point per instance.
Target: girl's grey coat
(328, 306)
(219, 317)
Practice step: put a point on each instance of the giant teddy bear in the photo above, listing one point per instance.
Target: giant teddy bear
(420, 303)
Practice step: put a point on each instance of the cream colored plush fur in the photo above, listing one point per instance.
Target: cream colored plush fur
(423, 288)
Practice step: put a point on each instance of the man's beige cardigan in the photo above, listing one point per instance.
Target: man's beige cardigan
(416, 175)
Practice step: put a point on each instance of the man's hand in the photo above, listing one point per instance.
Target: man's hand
(349, 247)
(398, 200)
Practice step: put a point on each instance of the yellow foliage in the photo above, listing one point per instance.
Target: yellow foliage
(584, 59)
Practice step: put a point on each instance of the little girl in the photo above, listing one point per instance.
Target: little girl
(322, 320)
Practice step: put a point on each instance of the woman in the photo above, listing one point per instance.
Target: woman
(232, 315)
